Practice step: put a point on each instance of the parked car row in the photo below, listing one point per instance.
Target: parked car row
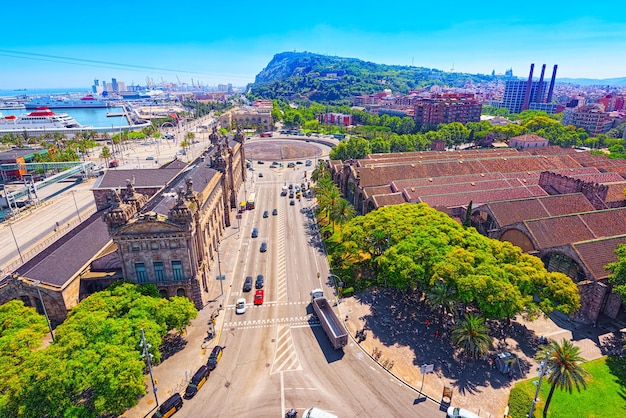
(175, 402)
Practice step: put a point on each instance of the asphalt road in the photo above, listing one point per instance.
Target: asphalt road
(277, 356)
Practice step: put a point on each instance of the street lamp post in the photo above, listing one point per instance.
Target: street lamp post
(338, 284)
(36, 283)
(15, 240)
(76, 205)
(146, 354)
(219, 270)
(544, 368)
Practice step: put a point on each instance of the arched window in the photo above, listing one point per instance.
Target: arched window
(180, 292)
(163, 293)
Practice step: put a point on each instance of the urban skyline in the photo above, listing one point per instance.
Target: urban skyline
(214, 46)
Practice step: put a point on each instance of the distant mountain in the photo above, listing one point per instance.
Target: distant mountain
(621, 81)
(335, 80)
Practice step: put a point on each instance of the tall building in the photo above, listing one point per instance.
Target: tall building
(528, 94)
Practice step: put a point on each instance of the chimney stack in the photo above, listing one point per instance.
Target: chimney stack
(551, 89)
(528, 87)
(539, 94)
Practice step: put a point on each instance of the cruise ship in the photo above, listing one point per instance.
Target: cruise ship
(40, 121)
(61, 102)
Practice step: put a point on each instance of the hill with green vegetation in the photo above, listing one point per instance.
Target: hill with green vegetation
(335, 80)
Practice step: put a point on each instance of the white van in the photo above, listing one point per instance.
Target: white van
(454, 412)
(317, 413)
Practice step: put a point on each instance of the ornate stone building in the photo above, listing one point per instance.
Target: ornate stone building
(163, 227)
(172, 241)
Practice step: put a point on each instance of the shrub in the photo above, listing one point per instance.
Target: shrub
(519, 403)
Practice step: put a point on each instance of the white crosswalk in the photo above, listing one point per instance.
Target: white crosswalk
(285, 356)
(294, 321)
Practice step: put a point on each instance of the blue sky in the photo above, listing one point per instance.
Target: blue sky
(55, 44)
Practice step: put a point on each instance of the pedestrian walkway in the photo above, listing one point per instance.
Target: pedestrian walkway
(402, 334)
(174, 374)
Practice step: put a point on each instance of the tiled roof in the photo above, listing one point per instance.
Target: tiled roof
(557, 231)
(598, 253)
(414, 193)
(200, 174)
(508, 212)
(482, 196)
(616, 192)
(65, 258)
(371, 191)
(114, 179)
(527, 138)
(566, 204)
(388, 199)
(606, 223)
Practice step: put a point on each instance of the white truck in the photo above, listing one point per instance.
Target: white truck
(331, 324)
(284, 191)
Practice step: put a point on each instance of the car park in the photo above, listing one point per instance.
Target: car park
(275, 212)
(263, 247)
(215, 356)
(247, 284)
(169, 407)
(259, 282)
(259, 296)
(240, 306)
(196, 382)
(292, 202)
(266, 214)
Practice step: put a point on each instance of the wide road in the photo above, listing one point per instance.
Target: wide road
(277, 356)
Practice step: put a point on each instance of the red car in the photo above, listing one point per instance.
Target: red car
(259, 296)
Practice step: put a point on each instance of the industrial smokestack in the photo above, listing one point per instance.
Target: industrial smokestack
(539, 94)
(551, 89)
(528, 87)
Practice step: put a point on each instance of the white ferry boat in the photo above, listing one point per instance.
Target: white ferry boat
(4, 105)
(42, 120)
(61, 102)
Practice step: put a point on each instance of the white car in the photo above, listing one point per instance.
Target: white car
(240, 306)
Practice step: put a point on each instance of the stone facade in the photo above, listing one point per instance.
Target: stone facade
(555, 183)
(57, 303)
(172, 242)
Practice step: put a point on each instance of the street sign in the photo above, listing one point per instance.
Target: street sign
(220, 277)
(427, 368)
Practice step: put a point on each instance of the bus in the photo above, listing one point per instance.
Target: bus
(251, 200)
(242, 206)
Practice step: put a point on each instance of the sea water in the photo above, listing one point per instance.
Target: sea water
(96, 117)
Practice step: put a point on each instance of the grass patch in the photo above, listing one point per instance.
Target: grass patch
(605, 395)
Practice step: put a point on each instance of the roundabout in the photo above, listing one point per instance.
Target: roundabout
(278, 149)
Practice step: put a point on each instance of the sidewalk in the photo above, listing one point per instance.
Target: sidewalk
(173, 375)
(402, 335)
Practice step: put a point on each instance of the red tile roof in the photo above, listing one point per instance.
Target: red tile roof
(598, 253)
(509, 212)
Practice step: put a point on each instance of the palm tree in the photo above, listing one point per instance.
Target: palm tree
(442, 296)
(471, 335)
(565, 371)
(343, 212)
